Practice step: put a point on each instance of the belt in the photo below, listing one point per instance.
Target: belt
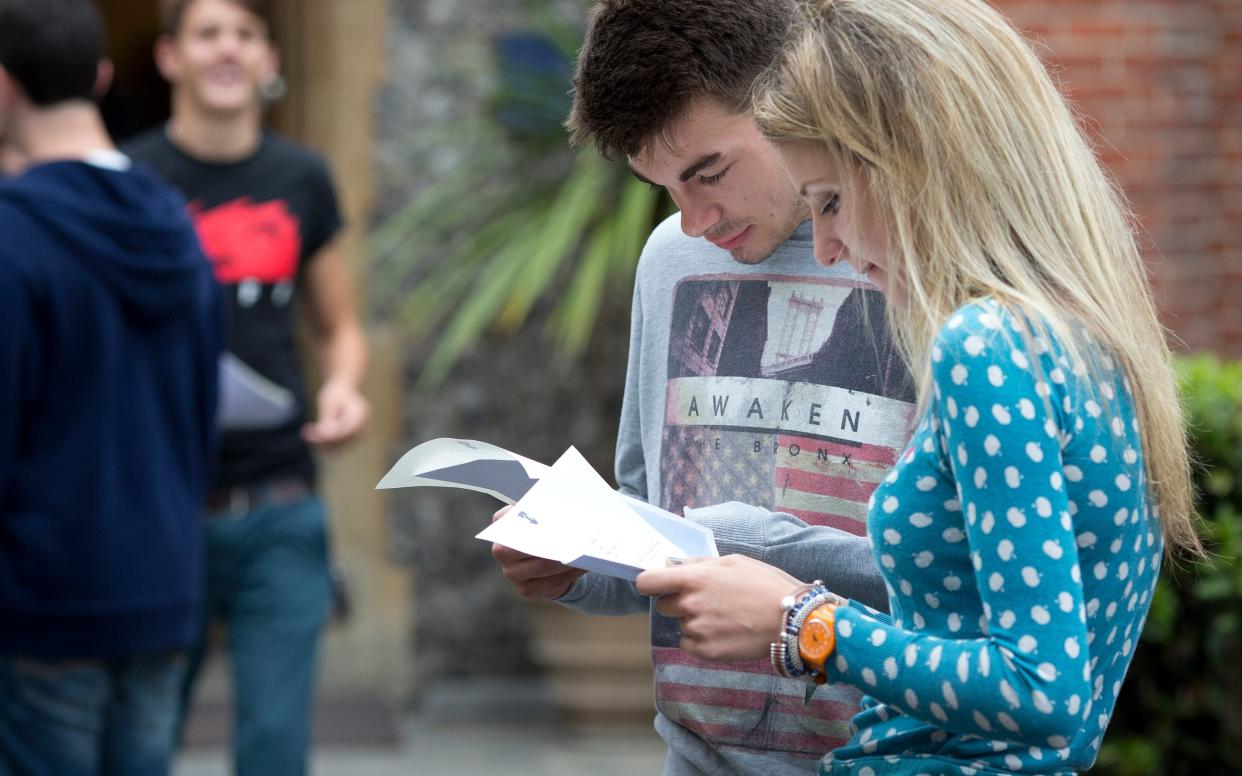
(239, 500)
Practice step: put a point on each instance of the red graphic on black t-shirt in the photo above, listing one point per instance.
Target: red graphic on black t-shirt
(248, 240)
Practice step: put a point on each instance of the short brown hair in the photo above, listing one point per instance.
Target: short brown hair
(644, 61)
(172, 12)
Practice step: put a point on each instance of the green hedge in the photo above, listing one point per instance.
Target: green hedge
(1180, 711)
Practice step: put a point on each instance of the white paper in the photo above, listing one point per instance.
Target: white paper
(468, 464)
(248, 400)
(696, 541)
(572, 516)
(565, 512)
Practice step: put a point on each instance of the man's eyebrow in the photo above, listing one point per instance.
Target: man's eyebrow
(640, 176)
(706, 161)
(686, 174)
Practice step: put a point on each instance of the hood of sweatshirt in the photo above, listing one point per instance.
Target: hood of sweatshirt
(126, 227)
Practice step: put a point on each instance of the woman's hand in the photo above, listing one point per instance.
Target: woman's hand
(729, 608)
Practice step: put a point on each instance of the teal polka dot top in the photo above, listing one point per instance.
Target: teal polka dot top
(1020, 549)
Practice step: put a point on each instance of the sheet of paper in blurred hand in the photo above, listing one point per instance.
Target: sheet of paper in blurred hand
(249, 401)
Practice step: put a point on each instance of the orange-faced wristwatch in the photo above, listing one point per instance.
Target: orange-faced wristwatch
(807, 635)
(817, 638)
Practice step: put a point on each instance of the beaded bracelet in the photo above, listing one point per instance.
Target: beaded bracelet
(778, 650)
(783, 653)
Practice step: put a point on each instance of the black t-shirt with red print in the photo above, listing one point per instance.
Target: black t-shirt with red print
(260, 221)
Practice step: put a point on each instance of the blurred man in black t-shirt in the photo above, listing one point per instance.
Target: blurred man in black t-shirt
(267, 216)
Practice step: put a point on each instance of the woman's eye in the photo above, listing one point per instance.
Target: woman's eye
(831, 206)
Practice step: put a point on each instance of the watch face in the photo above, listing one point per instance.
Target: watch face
(815, 640)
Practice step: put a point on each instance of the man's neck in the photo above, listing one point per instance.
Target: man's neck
(215, 138)
(71, 130)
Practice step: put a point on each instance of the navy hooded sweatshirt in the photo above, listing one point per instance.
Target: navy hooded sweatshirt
(112, 329)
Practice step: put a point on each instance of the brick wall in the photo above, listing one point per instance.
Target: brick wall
(1160, 82)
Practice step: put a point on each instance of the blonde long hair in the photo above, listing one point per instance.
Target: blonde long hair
(989, 187)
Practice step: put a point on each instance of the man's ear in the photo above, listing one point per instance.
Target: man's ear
(104, 72)
(11, 93)
(273, 61)
(12, 158)
(166, 58)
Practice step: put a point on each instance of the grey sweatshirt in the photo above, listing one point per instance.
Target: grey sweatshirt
(766, 402)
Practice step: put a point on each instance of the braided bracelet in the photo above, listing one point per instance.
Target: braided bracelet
(778, 651)
(783, 653)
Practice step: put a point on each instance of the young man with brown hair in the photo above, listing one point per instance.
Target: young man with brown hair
(267, 215)
(112, 333)
(763, 395)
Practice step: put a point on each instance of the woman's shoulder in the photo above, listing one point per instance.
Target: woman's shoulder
(997, 341)
(980, 328)
(987, 345)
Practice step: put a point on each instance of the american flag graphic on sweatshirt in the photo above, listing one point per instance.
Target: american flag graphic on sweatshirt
(787, 394)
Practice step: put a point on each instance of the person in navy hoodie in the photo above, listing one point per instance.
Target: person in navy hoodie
(112, 326)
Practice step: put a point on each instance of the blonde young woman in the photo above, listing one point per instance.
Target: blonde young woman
(1022, 530)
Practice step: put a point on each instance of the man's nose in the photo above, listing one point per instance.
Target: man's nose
(698, 217)
(228, 43)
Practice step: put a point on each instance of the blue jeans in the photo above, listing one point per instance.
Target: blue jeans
(268, 580)
(89, 717)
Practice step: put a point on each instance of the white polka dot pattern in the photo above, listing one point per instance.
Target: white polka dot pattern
(981, 542)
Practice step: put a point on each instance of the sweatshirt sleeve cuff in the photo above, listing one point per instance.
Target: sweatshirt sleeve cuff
(738, 528)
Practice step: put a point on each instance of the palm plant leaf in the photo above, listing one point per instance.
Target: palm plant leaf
(520, 219)
(480, 305)
(563, 224)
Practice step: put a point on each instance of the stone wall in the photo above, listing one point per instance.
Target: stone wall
(468, 621)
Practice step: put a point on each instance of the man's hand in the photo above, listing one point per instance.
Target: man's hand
(535, 578)
(343, 412)
(729, 608)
